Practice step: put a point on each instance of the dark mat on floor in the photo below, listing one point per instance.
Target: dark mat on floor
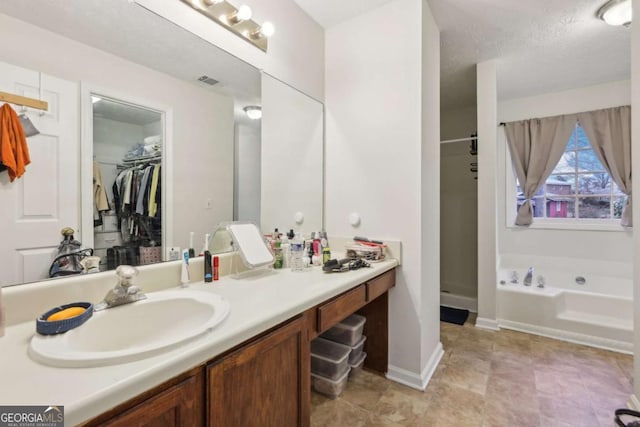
(453, 315)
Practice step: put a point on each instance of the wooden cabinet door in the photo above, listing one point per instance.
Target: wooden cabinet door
(180, 405)
(265, 383)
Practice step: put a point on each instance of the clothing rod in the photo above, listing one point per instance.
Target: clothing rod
(470, 138)
(24, 101)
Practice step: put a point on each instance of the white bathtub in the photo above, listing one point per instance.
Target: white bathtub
(598, 313)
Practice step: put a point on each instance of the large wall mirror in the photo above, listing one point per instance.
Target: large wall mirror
(162, 89)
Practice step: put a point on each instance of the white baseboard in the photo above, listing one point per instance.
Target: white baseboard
(459, 301)
(484, 323)
(633, 403)
(413, 380)
(574, 337)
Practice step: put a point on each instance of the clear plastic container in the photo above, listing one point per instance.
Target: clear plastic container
(329, 359)
(356, 351)
(329, 387)
(348, 332)
(356, 367)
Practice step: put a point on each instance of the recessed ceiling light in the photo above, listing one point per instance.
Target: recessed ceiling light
(616, 12)
(253, 112)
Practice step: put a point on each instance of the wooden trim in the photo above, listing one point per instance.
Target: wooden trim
(197, 373)
(24, 101)
(376, 329)
(381, 284)
(336, 310)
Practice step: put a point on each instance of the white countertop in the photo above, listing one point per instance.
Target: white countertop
(257, 304)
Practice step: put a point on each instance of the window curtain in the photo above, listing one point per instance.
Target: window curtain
(609, 132)
(536, 146)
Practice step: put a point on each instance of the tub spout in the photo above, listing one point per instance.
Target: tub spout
(529, 277)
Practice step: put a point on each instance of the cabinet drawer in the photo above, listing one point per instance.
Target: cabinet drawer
(334, 311)
(380, 284)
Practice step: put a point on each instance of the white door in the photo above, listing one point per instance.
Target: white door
(35, 207)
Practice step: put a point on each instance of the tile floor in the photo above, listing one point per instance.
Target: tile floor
(492, 379)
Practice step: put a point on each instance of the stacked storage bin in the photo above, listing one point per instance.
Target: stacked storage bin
(337, 355)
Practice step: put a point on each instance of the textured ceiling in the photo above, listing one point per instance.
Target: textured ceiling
(127, 30)
(541, 45)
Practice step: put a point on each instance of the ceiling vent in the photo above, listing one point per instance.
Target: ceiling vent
(208, 80)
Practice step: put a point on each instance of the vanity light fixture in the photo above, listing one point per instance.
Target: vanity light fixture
(242, 14)
(237, 20)
(266, 30)
(616, 12)
(254, 112)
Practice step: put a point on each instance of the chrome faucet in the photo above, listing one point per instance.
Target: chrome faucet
(124, 292)
(529, 277)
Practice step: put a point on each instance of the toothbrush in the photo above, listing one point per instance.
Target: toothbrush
(192, 252)
(184, 276)
(206, 244)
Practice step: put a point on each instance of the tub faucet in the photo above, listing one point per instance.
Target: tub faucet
(124, 292)
(529, 277)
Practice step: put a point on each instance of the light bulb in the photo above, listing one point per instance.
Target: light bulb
(267, 29)
(244, 13)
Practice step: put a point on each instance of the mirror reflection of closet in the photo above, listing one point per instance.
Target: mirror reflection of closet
(127, 203)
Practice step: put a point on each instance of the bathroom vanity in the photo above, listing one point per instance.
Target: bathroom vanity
(266, 380)
(253, 368)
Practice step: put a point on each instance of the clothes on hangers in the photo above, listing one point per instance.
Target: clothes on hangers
(100, 200)
(137, 197)
(14, 152)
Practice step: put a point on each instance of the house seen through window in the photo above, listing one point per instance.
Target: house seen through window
(579, 186)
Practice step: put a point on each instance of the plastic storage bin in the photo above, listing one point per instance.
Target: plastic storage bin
(348, 332)
(329, 387)
(329, 359)
(356, 367)
(356, 351)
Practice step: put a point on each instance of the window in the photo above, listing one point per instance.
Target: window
(579, 187)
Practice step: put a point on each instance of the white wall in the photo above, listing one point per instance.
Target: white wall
(374, 159)
(203, 120)
(430, 196)
(635, 135)
(292, 151)
(458, 223)
(458, 123)
(111, 141)
(584, 245)
(296, 50)
(487, 96)
(247, 172)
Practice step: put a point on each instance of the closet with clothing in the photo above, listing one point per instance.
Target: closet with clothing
(127, 184)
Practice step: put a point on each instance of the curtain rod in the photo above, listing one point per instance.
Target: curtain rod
(470, 138)
(502, 124)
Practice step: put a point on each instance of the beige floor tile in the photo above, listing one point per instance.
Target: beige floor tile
(576, 412)
(400, 408)
(338, 413)
(492, 379)
(365, 390)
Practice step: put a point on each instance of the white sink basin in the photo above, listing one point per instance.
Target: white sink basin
(133, 331)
